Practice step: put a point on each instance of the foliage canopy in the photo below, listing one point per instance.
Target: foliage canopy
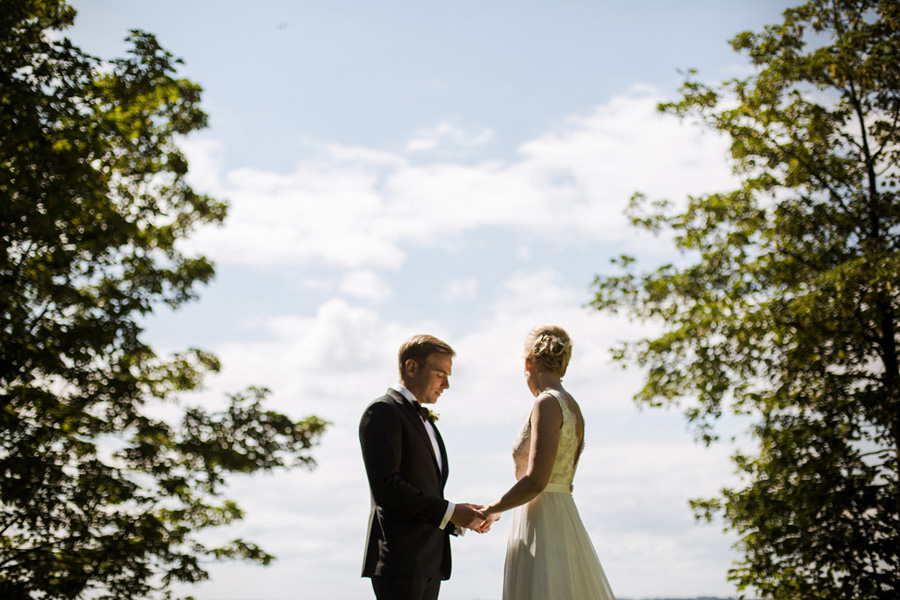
(100, 495)
(785, 304)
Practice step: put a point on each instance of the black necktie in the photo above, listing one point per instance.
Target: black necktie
(424, 412)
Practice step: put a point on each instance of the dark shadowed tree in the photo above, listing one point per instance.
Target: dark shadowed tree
(784, 304)
(100, 496)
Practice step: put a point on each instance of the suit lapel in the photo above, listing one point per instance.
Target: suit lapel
(446, 470)
(409, 410)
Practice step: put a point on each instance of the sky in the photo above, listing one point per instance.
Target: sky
(454, 168)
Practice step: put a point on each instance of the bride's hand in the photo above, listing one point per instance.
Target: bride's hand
(486, 524)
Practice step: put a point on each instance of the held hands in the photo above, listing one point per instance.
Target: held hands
(488, 521)
(472, 517)
(467, 515)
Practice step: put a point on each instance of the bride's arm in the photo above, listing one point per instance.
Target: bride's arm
(546, 421)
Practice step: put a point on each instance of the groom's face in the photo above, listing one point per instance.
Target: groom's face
(429, 380)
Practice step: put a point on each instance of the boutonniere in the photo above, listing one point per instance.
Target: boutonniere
(433, 415)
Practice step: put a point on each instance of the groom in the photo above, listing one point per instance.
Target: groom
(410, 523)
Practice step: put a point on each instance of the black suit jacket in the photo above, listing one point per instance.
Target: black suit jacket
(407, 493)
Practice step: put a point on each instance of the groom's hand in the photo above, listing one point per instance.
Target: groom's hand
(468, 515)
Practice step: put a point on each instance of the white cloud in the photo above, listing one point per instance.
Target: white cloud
(462, 289)
(364, 156)
(446, 134)
(361, 208)
(316, 283)
(366, 285)
(325, 209)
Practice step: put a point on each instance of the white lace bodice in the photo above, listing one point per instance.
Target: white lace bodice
(567, 453)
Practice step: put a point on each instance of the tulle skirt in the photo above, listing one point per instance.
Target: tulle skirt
(550, 555)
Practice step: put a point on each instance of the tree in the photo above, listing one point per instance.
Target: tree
(784, 303)
(100, 496)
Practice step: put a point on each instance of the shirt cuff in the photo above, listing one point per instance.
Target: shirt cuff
(447, 514)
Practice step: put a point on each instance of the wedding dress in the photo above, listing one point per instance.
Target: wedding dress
(549, 555)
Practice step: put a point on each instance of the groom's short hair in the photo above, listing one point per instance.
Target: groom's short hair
(420, 347)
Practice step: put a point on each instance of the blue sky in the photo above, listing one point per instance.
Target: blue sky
(453, 168)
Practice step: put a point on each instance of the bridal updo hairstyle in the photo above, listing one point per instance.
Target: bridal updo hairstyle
(420, 347)
(550, 346)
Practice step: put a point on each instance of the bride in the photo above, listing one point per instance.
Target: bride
(549, 553)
